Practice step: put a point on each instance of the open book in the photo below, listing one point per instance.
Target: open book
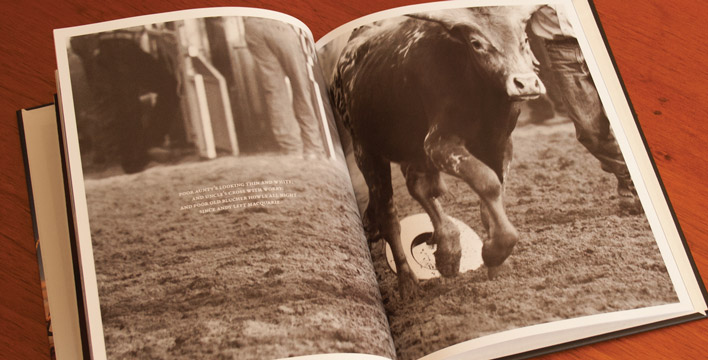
(233, 189)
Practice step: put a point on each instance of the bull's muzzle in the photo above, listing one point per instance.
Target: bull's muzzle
(524, 86)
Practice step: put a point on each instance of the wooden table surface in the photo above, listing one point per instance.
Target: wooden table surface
(659, 46)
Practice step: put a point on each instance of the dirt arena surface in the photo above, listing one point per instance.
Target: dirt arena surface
(246, 283)
(580, 252)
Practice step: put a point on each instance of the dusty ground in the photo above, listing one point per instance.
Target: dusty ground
(257, 282)
(580, 252)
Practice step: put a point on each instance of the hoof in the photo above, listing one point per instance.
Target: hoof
(371, 227)
(625, 188)
(630, 205)
(494, 257)
(494, 253)
(448, 264)
(494, 271)
(449, 251)
(409, 288)
(407, 284)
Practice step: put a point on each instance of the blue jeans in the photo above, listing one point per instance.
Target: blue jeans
(276, 48)
(592, 128)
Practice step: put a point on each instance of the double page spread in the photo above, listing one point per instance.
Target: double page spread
(461, 179)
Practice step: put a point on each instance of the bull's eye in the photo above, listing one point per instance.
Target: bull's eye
(477, 45)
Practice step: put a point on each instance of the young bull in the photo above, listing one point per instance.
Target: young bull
(438, 91)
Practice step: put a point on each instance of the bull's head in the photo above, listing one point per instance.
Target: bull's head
(496, 38)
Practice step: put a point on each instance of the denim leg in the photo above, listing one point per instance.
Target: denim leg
(302, 104)
(285, 44)
(276, 47)
(592, 128)
(272, 78)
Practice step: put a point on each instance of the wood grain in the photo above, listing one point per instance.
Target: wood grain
(659, 47)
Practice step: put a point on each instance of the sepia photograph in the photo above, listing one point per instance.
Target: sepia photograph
(478, 136)
(222, 220)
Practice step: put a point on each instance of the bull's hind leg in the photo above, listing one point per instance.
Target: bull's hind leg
(450, 155)
(425, 186)
(381, 217)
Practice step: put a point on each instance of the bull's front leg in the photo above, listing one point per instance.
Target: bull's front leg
(425, 185)
(449, 154)
(506, 167)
